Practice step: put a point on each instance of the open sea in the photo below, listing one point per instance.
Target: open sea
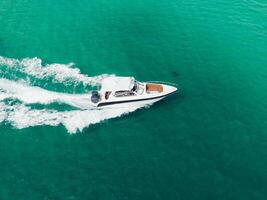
(207, 142)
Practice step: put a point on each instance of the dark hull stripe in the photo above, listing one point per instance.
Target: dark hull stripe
(119, 102)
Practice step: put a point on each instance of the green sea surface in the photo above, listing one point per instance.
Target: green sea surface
(207, 142)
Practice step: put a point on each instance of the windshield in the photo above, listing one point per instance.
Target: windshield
(138, 87)
(135, 86)
(124, 93)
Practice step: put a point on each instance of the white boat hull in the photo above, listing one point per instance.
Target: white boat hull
(142, 100)
(140, 104)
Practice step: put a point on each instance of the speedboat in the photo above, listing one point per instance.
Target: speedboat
(126, 91)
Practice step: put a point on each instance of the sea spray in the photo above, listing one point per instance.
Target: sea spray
(21, 116)
(19, 91)
(32, 71)
(35, 95)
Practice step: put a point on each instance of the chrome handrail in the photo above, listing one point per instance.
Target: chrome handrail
(163, 82)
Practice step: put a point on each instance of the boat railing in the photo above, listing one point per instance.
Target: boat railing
(163, 82)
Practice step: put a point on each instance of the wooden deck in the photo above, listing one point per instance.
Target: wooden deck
(150, 87)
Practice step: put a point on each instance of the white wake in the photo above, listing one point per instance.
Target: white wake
(18, 96)
(59, 72)
(36, 95)
(21, 116)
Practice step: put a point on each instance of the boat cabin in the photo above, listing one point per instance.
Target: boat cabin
(120, 87)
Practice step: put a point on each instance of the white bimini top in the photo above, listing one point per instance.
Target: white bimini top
(117, 83)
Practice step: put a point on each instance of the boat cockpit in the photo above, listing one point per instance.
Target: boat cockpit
(138, 88)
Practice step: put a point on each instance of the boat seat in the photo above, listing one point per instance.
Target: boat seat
(150, 87)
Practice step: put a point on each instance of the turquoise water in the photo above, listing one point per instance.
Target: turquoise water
(207, 142)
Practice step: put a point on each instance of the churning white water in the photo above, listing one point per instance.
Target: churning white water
(20, 91)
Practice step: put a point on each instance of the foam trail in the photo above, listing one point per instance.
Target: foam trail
(17, 80)
(21, 116)
(33, 95)
(59, 72)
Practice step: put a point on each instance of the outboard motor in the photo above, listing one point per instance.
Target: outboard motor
(95, 98)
